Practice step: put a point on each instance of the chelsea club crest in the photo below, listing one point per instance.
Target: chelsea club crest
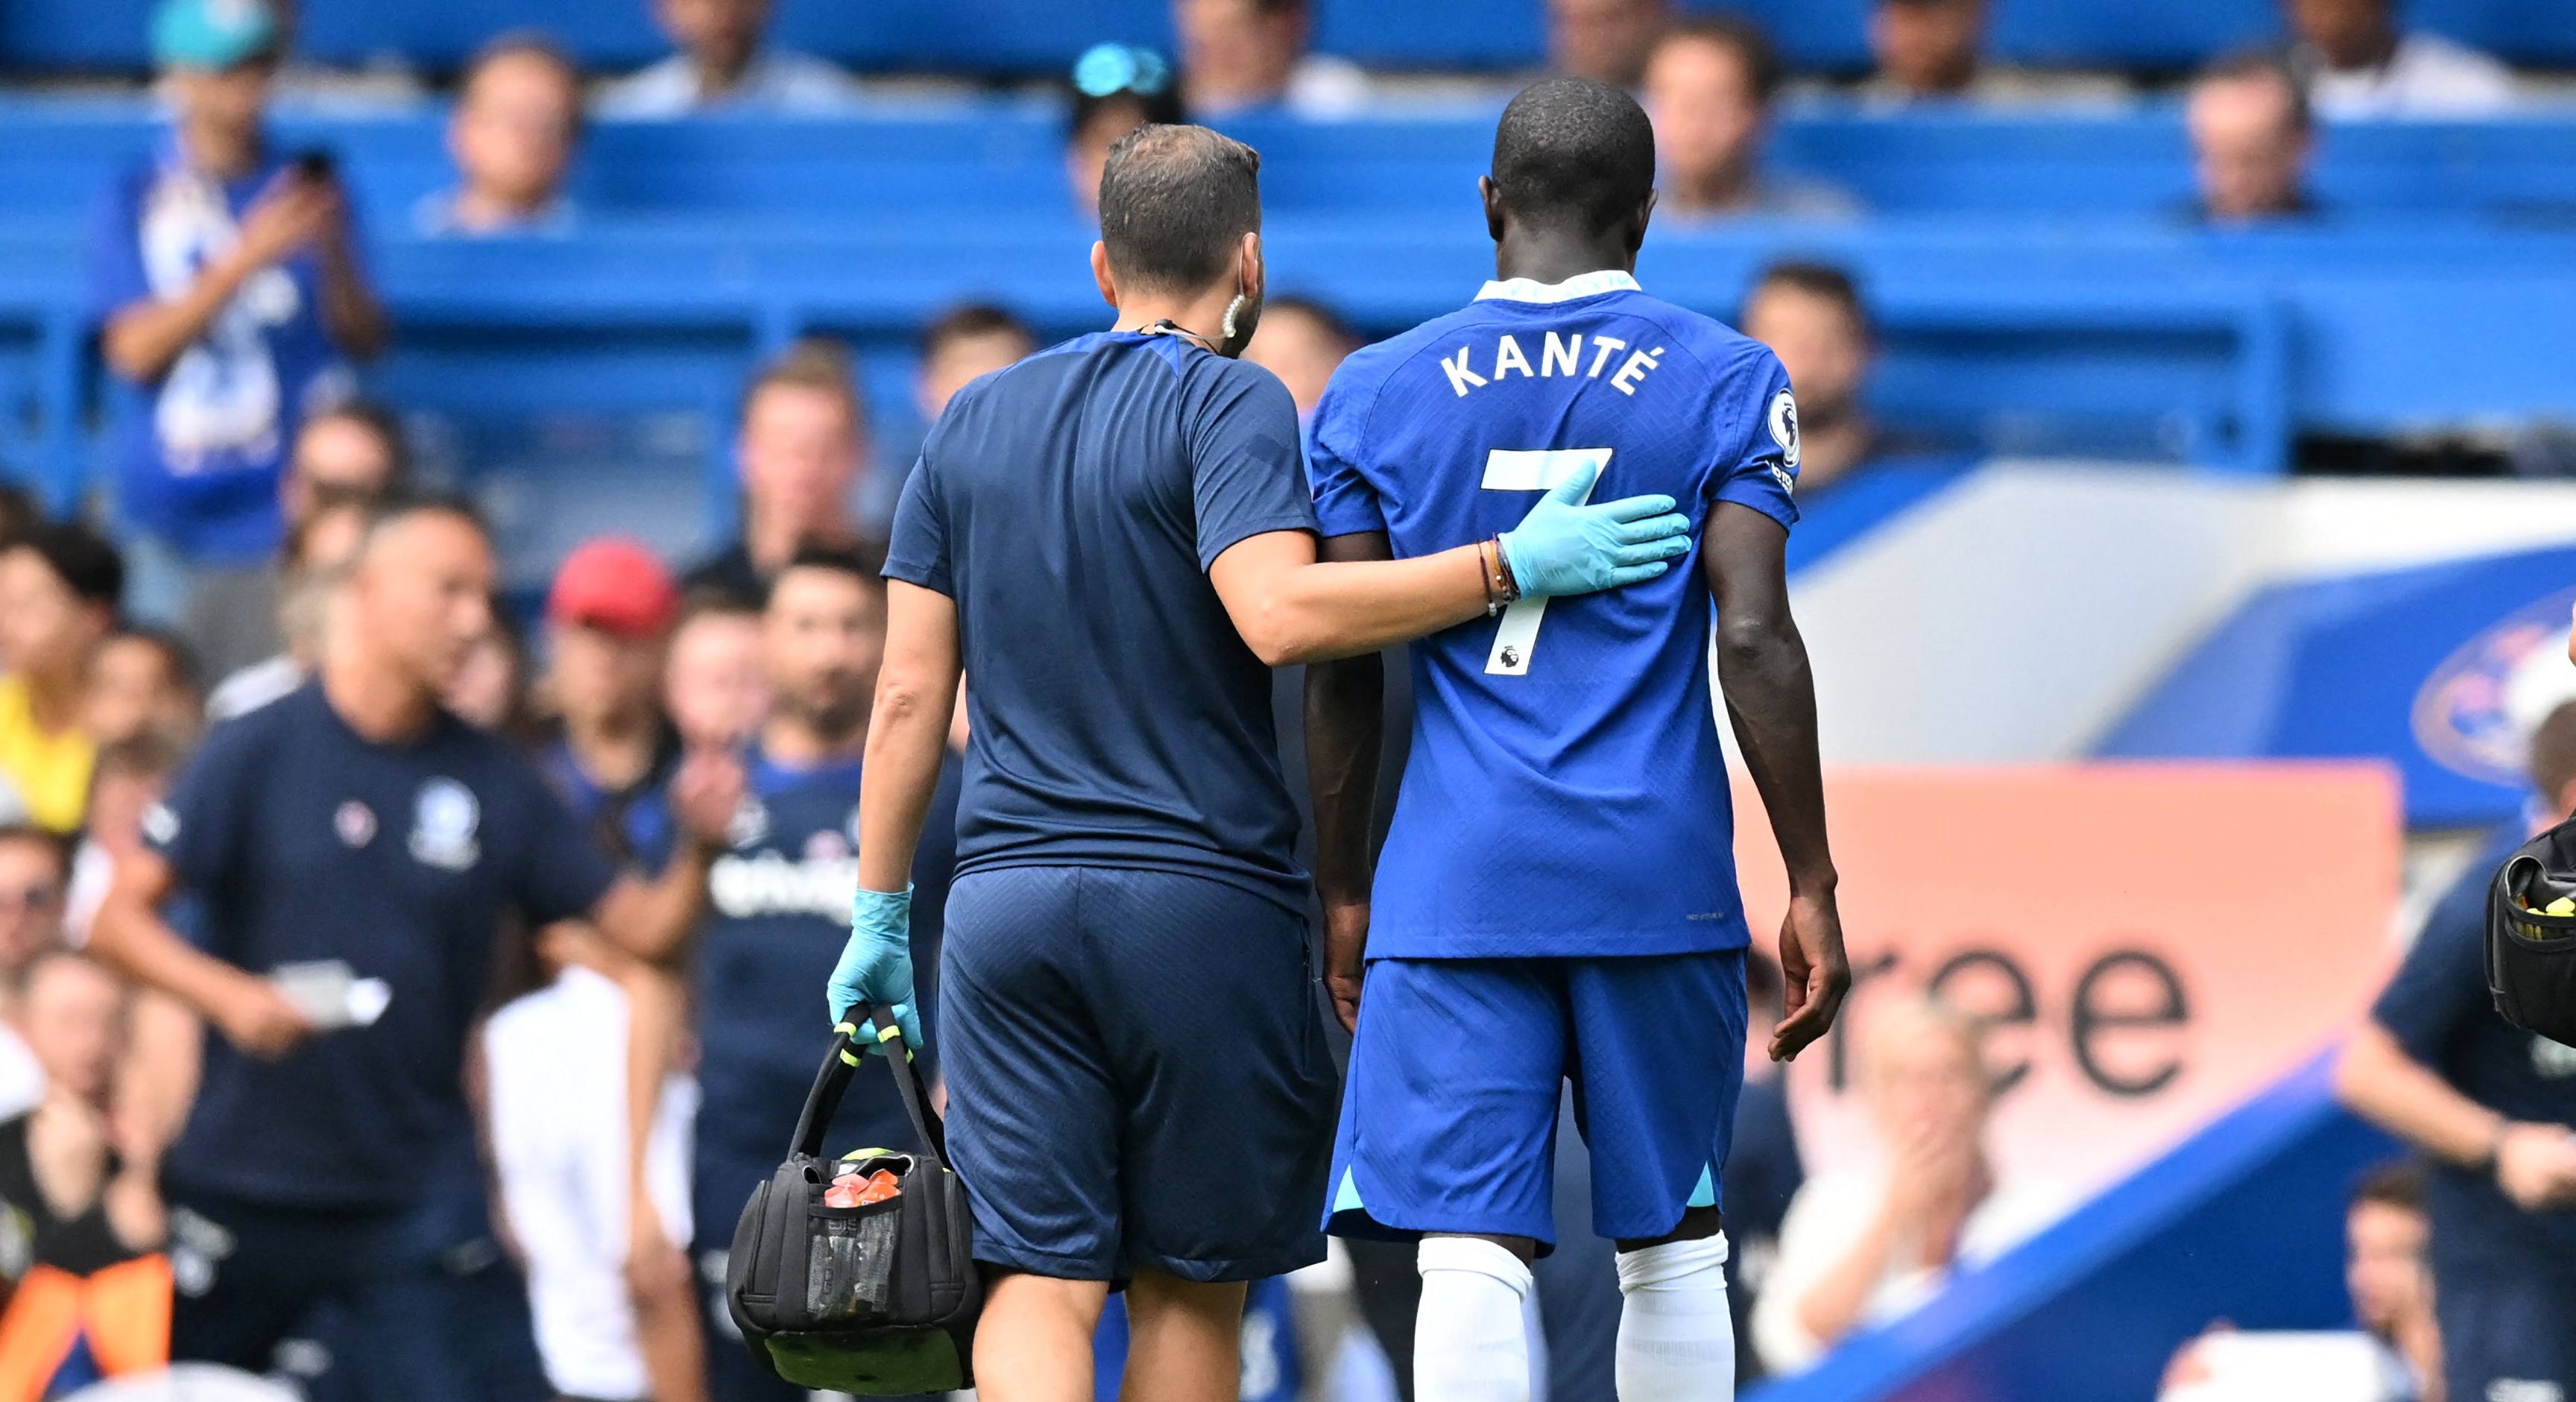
(443, 821)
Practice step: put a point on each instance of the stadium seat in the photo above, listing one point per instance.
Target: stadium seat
(1042, 36)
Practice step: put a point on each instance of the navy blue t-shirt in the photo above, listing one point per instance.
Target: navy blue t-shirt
(306, 841)
(2438, 1008)
(779, 916)
(1071, 505)
(633, 825)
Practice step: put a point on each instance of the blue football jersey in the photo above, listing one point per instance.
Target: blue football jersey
(1566, 794)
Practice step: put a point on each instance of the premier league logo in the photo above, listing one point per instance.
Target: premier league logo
(443, 820)
(1784, 426)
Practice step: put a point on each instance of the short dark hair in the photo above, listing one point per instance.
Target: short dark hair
(2553, 752)
(386, 426)
(175, 652)
(18, 510)
(2263, 63)
(862, 562)
(54, 843)
(1751, 47)
(2398, 1183)
(1174, 201)
(714, 599)
(80, 557)
(1571, 150)
(816, 363)
(1820, 280)
(1322, 315)
(393, 508)
(969, 321)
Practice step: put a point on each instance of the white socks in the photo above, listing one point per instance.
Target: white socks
(1676, 1343)
(1468, 1341)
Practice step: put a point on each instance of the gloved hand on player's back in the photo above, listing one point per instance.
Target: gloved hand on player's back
(876, 965)
(1566, 547)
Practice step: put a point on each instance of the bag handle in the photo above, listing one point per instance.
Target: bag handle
(834, 1079)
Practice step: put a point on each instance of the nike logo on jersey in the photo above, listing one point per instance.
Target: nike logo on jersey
(1558, 356)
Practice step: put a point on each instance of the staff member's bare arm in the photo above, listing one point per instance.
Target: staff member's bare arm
(1771, 702)
(907, 731)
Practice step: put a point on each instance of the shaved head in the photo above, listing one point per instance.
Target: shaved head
(1574, 153)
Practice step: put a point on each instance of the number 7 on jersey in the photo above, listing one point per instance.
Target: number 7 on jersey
(1530, 470)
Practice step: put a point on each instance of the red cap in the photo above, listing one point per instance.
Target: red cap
(615, 585)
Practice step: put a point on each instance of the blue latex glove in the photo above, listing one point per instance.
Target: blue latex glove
(876, 965)
(1564, 547)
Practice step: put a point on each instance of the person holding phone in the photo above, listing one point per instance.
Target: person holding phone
(228, 296)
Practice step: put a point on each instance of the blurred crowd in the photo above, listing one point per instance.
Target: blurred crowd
(234, 309)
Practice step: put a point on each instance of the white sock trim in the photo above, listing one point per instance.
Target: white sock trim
(1477, 1256)
(1671, 1265)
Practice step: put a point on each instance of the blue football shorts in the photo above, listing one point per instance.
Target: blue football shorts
(1449, 1118)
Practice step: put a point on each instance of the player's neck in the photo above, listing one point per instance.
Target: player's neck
(1549, 258)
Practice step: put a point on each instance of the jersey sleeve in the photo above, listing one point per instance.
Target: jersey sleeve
(918, 552)
(1759, 465)
(2443, 981)
(1248, 476)
(1346, 502)
(563, 874)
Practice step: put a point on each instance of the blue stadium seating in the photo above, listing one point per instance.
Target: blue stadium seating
(1037, 36)
(2035, 290)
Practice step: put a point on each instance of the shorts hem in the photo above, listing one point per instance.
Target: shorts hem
(1365, 1225)
(1228, 1270)
(1051, 1264)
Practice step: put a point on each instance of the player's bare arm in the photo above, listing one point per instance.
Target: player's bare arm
(1345, 738)
(1771, 702)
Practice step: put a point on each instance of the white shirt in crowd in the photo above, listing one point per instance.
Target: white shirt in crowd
(779, 81)
(1827, 1220)
(22, 1081)
(2428, 76)
(556, 1061)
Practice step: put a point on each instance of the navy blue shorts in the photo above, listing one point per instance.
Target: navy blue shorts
(1449, 1120)
(1136, 1074)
